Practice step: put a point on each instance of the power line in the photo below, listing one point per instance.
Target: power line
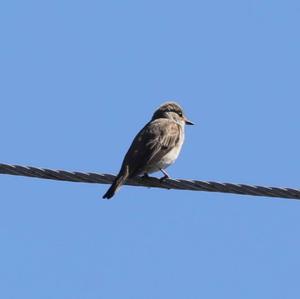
(178, 184)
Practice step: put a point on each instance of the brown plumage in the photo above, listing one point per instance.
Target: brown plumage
(155, 147)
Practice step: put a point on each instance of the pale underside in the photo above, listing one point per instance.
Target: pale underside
(155, 147)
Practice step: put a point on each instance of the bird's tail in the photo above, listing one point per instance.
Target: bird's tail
(116, 185)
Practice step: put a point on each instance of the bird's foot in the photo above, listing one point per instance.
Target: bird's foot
(166, 175)
(164, 178)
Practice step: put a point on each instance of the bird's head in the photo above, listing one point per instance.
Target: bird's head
(171, 110)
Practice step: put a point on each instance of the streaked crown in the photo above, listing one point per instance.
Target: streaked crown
(162, 110)
(171, 110)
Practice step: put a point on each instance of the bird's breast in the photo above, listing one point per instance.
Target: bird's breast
(170, 157)
(173, 154)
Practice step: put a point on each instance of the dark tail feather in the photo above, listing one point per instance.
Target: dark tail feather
(116, 185)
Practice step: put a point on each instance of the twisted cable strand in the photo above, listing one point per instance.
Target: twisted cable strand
(178, 184)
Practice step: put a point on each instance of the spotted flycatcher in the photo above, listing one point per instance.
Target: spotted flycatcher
(155, 147)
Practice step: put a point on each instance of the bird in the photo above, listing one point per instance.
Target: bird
(155, 147)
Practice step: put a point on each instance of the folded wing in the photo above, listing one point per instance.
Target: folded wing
(152, 143)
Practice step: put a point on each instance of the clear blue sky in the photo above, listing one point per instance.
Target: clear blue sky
(80, 78)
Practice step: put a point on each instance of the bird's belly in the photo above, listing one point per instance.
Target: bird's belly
(166, 160)
(170, 157)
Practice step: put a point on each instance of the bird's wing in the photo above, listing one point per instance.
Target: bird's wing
(152, 143)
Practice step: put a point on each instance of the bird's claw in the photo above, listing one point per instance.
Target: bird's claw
(164, 178)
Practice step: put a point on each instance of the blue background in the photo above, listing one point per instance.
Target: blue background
(80, 78)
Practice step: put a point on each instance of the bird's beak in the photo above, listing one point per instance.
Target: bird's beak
(188, 122)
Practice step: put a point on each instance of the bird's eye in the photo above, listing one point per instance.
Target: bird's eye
(180, 114)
